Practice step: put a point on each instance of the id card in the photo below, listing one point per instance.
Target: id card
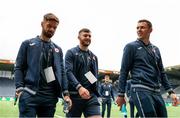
(49, 74)
(106, 93)
(90, 77)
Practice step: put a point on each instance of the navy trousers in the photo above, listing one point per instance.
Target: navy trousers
(36, 106)
(148, 103)
(106, 101)
(131, 104)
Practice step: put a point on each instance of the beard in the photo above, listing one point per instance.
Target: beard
(86, 43)
(48, 34)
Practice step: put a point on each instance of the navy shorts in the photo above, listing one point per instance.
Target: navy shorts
(88, 107)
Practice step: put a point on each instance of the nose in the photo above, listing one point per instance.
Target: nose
(52, 29)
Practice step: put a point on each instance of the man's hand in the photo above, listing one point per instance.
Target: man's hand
(120, 101)
(17, 95)
(99, 99)
(84, 93)
(175, 100)
(114, 101)
(67, 99)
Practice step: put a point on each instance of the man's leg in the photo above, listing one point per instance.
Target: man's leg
(109, 108)
(92, 108)
(160, 106)
(144, 102)
(46, 111)
(77, 107)
(103, 107)
(27, 106)
(131, 104)
(46, 106)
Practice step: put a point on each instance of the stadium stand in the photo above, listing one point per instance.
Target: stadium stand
(7, 87)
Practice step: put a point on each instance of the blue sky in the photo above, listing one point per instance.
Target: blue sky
(112, 22)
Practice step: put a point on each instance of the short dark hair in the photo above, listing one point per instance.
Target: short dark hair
(51, 16)
(84, 30)
(147, 21)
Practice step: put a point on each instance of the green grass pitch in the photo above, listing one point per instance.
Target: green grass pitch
(7, 109)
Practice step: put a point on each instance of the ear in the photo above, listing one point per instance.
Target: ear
(78, 37)
(151, 30)
(42, 24)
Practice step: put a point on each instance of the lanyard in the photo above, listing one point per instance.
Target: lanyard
(152, 54)
(46, 53)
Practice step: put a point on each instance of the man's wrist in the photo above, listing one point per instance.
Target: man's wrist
(66, 93)
(121, 94)
(20, 89)
(78, 87)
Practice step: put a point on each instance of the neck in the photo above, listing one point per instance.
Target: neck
(44, 38)
(84, 48)
(145, 41)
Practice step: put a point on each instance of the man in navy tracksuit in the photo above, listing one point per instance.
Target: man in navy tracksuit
(39, 73)
(82, 70)
(106, 92)
(143, 60)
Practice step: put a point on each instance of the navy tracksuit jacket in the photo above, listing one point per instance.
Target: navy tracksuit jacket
(147, 74)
